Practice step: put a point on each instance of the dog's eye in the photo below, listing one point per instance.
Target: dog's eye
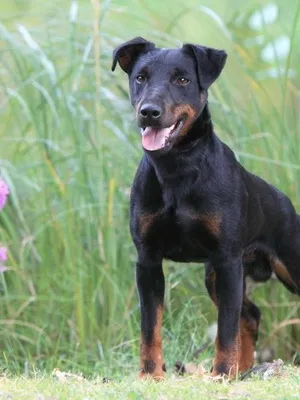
(140, 78)
(182, 81)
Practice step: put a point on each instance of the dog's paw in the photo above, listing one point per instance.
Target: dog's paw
(156, 373)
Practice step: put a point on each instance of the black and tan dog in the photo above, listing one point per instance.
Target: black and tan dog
(193, 202)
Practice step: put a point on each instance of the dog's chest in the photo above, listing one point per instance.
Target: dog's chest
(182, 233)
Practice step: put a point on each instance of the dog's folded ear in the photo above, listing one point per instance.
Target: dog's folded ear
(127, 53)
(210, 63)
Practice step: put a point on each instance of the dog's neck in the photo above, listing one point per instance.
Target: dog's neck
(190, 158)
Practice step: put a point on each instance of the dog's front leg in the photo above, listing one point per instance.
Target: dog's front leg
(151, 287)
(229, 291)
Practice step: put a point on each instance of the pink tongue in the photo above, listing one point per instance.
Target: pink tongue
(154, 139)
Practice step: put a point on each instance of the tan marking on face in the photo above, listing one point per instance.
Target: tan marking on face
(153, 351)
(184, 110)
(146, 221)
(189, 112)
(281, 271)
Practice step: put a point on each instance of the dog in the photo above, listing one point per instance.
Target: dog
(191, 201)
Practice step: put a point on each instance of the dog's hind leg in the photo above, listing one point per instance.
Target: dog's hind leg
(286, 263)
(249, 324)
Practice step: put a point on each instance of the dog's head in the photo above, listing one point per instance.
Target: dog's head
(168, 87)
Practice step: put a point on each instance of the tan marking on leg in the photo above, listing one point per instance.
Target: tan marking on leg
(248, 331)
(227, 359)
(212, 222)
(281, 271)
(246, 340)
(146, 221)
(151, 354)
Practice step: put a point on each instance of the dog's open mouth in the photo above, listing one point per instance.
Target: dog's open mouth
(156, 138)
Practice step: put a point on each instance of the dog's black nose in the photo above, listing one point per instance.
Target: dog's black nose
(150, 112)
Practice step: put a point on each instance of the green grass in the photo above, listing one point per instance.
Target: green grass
(283, 387)
(69, 150)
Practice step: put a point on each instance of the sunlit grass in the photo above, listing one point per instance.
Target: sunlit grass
(65, 387)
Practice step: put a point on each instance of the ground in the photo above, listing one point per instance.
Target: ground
(66, 387)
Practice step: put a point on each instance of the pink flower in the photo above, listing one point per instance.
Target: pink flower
(3, 254)
(4, 192)
(3, 258)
